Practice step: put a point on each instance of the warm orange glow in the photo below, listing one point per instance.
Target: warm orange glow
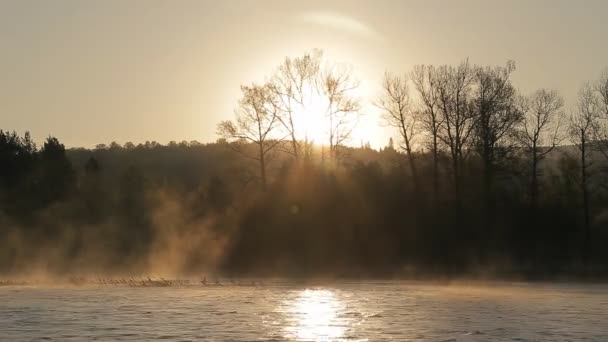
(311, 118)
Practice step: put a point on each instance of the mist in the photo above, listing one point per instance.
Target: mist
(480, 181)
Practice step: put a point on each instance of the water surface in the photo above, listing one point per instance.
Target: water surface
(338, 312)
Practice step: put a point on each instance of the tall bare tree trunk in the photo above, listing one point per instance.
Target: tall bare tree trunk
(435, 168)
(410, 158)
(457, 185)
(262, 166)
(585, 189)
(534, 182)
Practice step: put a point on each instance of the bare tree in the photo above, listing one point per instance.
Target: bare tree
(424, 78)
(496, 114)
(540, 130)
(395, 105)
(454, 90)
(256, 119)
(601, 90)
(336, 85)
(583, 127)
(291, 84)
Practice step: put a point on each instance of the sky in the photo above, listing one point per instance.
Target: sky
(92, 72)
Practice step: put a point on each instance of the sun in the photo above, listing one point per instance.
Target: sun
(312, 122)
(309, 111)
(311, 119)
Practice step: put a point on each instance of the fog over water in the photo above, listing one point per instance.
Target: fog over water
(375, 311)
(304, 170)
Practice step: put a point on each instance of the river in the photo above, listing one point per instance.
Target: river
(371, 311)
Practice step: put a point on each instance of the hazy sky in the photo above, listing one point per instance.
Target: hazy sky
(128, 70)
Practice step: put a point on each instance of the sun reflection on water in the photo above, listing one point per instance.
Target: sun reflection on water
(314, 316)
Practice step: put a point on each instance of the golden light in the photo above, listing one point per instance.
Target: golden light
(311, 119)
(316, 316)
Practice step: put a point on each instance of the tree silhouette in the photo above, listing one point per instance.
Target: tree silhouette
(495, 112)
(454, 91)
(424, 78)
(92, 191)
(292, 85)
(58, 176)
(540, 131)
(336, 84)
(256, 119)
(582, 130)
(601, 91)
(397, 112)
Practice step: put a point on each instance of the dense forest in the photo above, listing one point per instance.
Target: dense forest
(481, 181)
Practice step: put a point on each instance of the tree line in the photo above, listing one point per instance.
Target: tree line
(480, 178)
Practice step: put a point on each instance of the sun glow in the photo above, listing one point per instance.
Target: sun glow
(311, 119)
(316, 314)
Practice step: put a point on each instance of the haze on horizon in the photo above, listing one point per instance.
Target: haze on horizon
(91, 72)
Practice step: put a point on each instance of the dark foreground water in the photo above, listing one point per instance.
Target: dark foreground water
(339, 312)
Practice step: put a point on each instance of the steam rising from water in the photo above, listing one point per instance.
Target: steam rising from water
(182, 243)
